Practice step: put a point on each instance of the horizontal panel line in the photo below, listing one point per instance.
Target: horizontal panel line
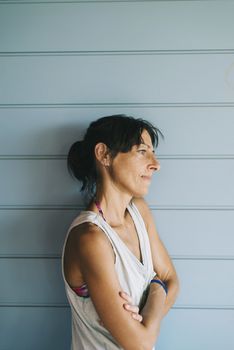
(79, 207)
(85, 1)
(165, 156)
(31, 256)
(192, 207)
(205, 257)
(173, 257)
(203, 307)
(78, 1)
(64, 305)
(116, 52)
(118, 105)
(40, 207)
(34, 305)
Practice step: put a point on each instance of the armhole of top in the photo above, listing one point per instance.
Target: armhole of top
(100, 227)
(63, 253)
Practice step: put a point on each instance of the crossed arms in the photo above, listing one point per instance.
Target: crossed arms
(98, 271)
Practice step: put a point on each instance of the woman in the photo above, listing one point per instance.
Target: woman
(119, 279)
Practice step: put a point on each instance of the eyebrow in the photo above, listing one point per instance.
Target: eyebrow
(145, 144)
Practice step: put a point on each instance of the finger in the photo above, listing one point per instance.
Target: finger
(137, 317)
(132, 308)
(126, 297)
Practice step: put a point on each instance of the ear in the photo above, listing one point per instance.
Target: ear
(102, 153)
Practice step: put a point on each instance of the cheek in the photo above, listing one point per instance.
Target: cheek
(132, 167)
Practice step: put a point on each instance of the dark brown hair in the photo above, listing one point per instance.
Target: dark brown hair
(119, 132)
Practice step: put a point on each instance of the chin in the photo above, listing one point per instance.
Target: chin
(141, 193)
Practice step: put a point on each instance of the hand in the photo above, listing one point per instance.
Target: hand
(129, 307)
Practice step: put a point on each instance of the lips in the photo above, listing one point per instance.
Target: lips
(148, 178)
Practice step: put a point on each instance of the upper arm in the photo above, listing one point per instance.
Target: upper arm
(162, 263)
(97, 266)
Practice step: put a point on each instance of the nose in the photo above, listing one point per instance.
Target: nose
(155, 165)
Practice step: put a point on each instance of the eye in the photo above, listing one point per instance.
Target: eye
(142, 151)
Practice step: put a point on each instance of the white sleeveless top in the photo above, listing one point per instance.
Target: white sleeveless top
(134, 278)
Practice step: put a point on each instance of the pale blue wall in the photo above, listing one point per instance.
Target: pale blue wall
(63, 64)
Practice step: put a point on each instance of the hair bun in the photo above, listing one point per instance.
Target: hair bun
(75, 158)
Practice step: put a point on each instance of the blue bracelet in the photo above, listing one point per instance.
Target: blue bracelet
(161, 283)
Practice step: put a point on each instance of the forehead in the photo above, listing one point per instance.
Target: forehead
(146, 138)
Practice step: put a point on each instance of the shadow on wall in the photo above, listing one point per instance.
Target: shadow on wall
(45, 200)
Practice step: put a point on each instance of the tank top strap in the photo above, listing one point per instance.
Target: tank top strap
(83, 217)
(94, 218)
(142, 234)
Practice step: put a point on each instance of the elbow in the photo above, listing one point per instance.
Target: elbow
(147, 347)
(174, 285)
(149, 342)
(145, 343)
(144, 346)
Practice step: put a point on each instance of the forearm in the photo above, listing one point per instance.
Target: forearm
(157, 306)
(173, 290)
(153, 312)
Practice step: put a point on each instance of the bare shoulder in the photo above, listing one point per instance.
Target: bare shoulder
(85, 231)
(85, 228)
(87, 237)
(87, 245)
(81, 232)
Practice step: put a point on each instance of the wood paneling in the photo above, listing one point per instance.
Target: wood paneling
(98, 79)
(64, 64)
(188, 131)
(90, 26)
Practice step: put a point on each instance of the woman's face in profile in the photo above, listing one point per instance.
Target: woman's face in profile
(132, 171)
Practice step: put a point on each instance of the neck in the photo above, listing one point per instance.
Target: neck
(113, 203)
